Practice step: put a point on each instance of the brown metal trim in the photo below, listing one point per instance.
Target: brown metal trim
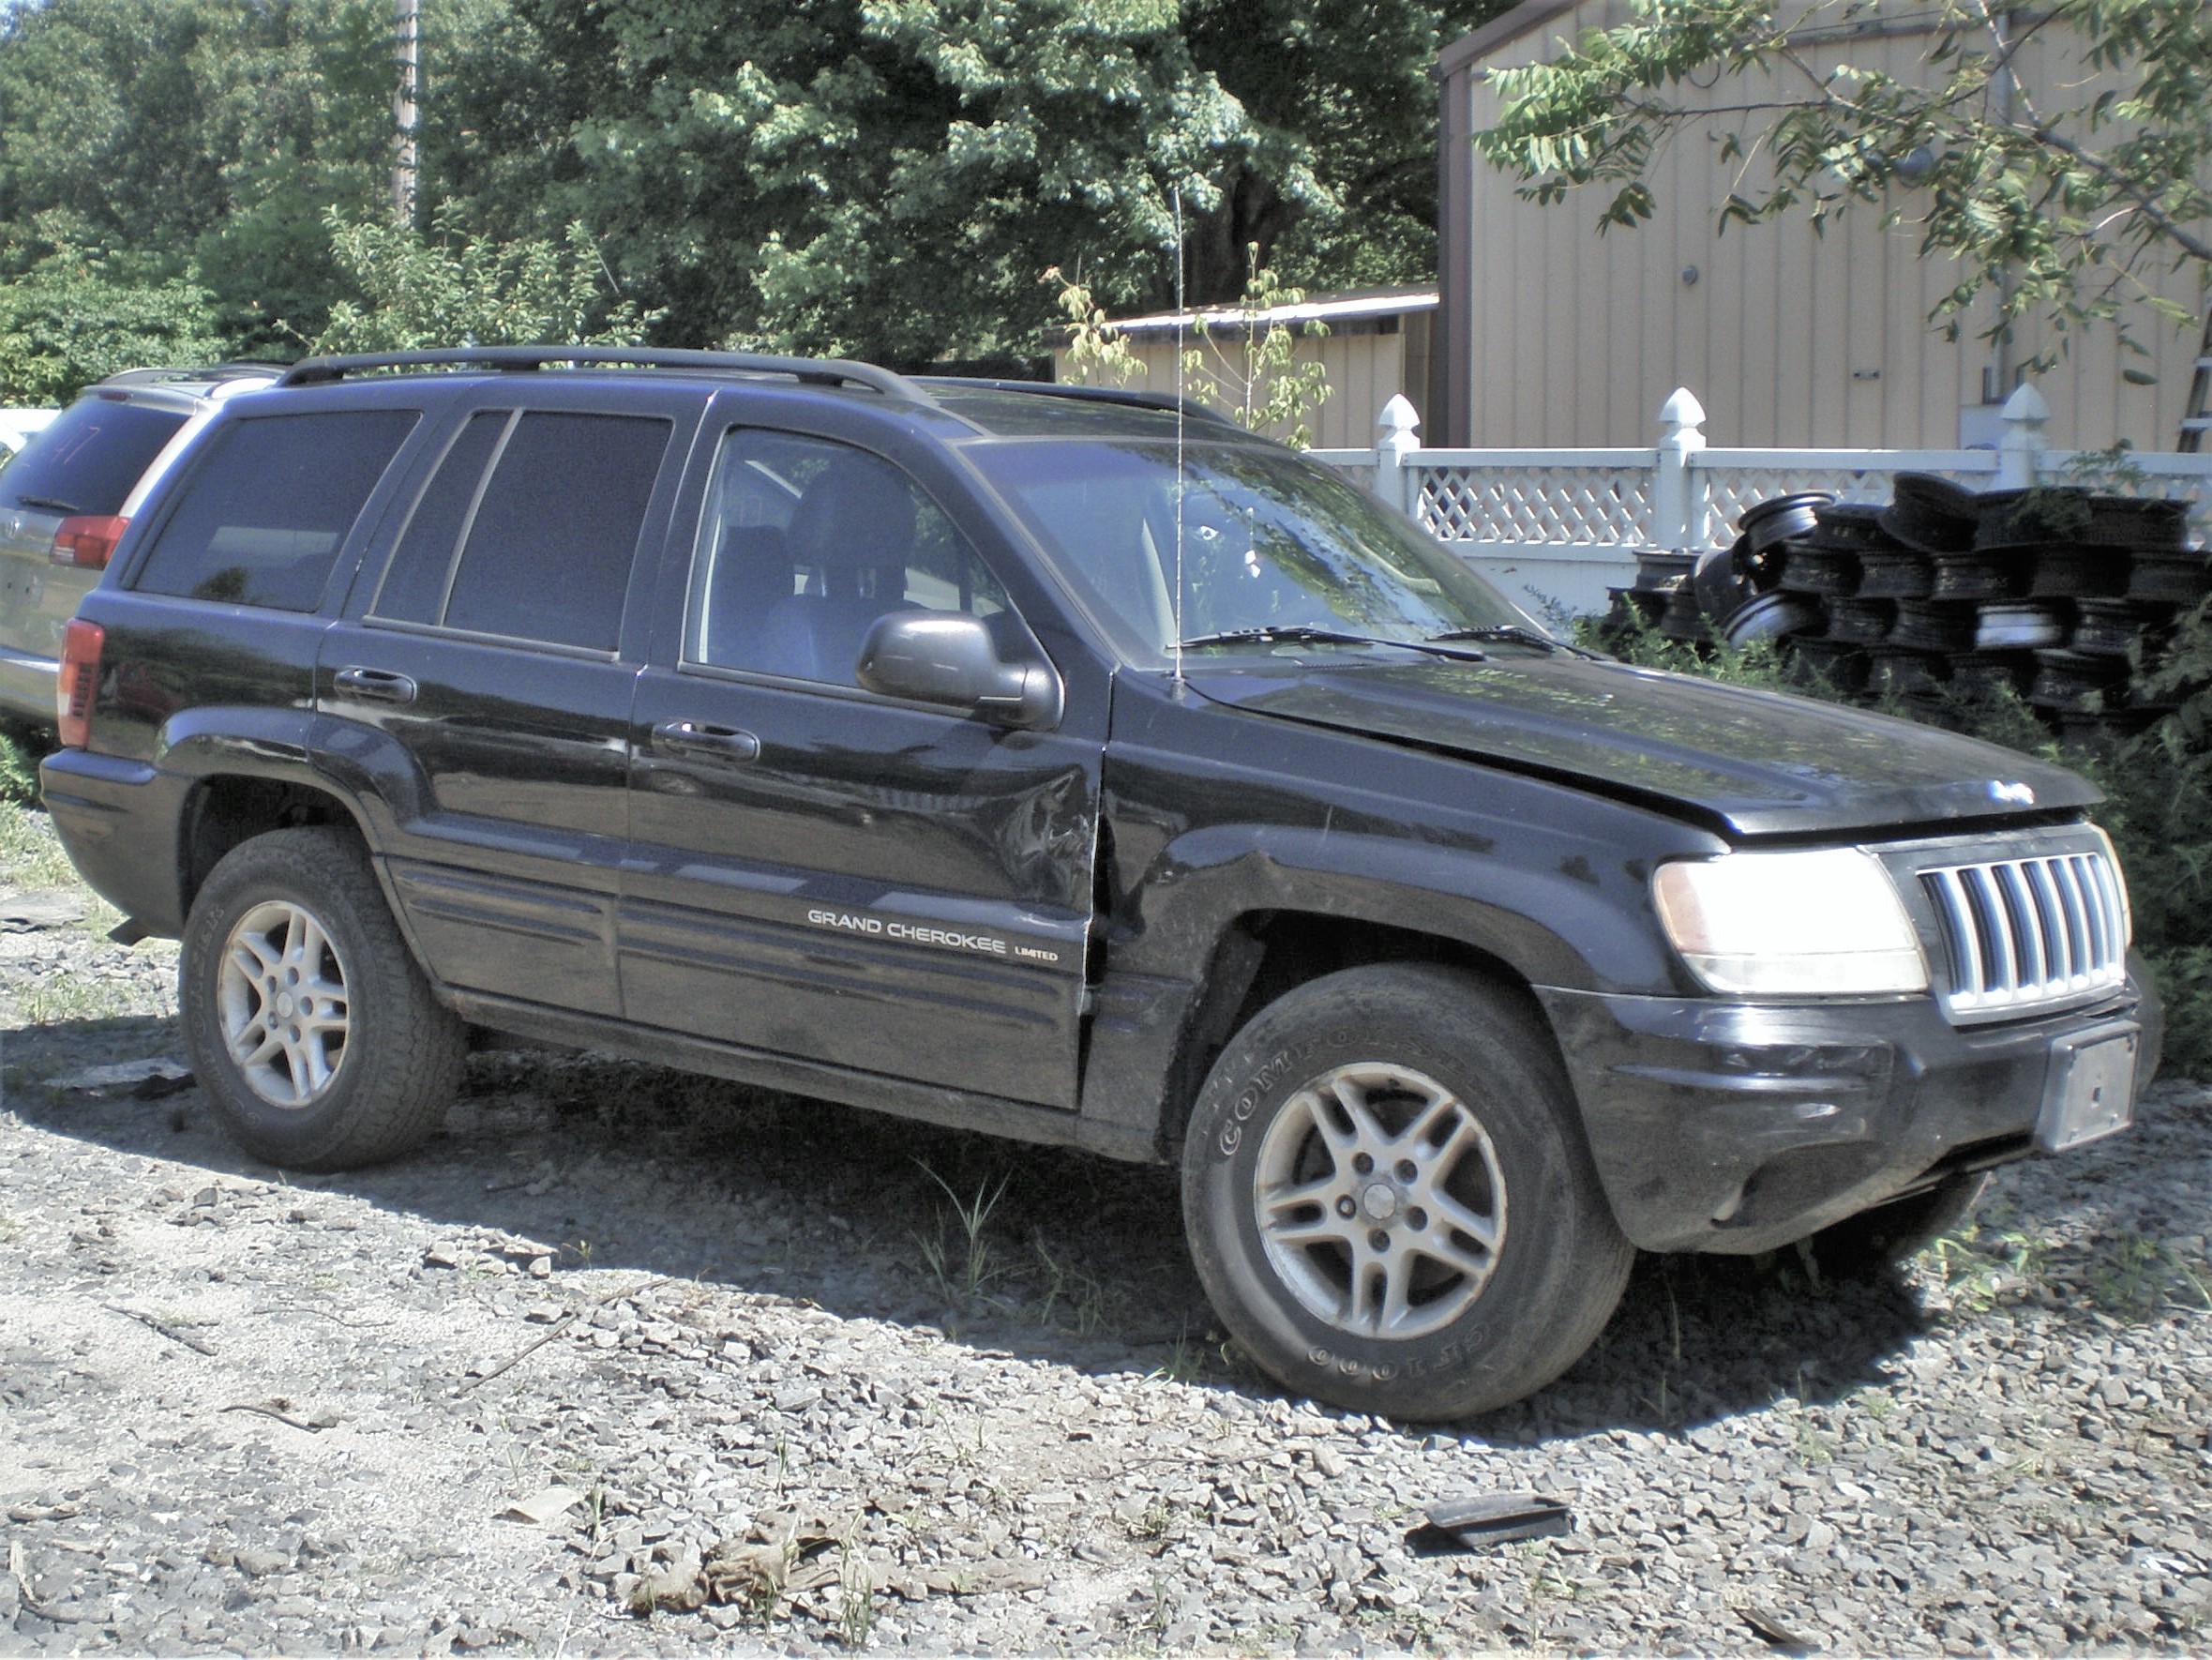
(1450, 416)
(1524, 19)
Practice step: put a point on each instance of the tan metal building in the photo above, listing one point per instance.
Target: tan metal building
(1377, 345)
(1549, 334)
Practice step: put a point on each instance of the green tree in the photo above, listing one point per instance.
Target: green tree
(451, 289)
(1247, 363)
(205, 137)
(2056, 197)
(888, 178)
(74, 317)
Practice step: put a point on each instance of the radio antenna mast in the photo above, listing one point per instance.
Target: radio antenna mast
(1178, 338)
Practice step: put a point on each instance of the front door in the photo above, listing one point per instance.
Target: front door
(822, 873)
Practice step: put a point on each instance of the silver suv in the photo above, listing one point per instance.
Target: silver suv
(66, 495)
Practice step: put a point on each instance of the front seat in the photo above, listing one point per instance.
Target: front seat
(849, 541)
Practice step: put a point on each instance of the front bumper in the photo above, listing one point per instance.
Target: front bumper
(1738, 1127)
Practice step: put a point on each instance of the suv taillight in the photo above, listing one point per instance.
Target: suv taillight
(79, 680)
(87, 539)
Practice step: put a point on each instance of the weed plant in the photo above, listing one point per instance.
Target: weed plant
(2158, 788)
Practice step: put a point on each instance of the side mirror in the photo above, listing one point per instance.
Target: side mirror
(949, 658)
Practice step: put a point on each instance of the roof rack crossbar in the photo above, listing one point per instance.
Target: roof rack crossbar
(827, 372)
(1161, 400)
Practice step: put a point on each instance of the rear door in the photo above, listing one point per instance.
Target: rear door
(481, 682)
(822, 872)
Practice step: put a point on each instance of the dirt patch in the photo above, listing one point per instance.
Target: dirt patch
(626, 1361)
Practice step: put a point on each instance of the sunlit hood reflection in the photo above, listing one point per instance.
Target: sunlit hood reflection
(1753, 762)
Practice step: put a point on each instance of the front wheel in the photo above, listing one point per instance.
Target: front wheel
(1389, 1200)
(313, 1035)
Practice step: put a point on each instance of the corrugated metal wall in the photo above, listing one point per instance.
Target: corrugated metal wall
(1786, 335)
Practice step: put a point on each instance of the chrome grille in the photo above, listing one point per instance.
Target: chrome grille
(2028, 934)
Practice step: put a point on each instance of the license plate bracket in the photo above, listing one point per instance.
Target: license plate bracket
(2089, 1090)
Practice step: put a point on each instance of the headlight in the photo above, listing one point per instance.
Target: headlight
(1826, 922)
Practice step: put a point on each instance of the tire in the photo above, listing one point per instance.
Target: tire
(361, 1060)
(1410, 1068)
(1871, 1243)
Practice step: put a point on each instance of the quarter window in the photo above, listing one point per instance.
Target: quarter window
(805, 544)
(267, 509)
(414, 588)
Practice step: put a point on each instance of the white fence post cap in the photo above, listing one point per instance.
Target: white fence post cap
(1398, 416)
(2026, 406)
(1680, 410)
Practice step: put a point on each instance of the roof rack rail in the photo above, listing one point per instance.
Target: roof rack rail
(824, 372)
(156, 376)
(1161, 400)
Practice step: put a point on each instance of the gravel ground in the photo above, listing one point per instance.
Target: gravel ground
(626, 1362)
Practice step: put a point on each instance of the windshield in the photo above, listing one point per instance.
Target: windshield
(1271, 544)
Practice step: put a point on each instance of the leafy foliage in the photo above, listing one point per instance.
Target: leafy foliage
(1250, 368)
(1245, 363)
(2054, 198)
(75, 317)
(206, 136)
(1097, 352)
(2158, 788)
(888, 179)
(450, 290)
(883, 177)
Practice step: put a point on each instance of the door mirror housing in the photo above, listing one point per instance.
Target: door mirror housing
(950, 658)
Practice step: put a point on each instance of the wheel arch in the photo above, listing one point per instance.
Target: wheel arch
(225, 809)
(1263, 954)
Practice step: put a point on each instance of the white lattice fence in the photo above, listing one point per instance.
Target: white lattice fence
(1562, 525)
(1536, 503)
(1734, 487)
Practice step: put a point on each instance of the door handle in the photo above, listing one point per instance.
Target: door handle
(705, 743)
(375, 686)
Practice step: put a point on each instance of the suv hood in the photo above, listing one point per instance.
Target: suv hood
(1747, 762)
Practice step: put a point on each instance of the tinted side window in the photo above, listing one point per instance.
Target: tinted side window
(89, 457)
(550, 553)
(414, 588)
(805, 544)
(264, 513)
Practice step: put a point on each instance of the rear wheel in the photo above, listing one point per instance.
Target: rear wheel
(313, 1035)
(1389, 1200)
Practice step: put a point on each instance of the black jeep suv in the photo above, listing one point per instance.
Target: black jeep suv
(1076, 767)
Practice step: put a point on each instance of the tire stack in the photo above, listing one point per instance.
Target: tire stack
(1944, 595)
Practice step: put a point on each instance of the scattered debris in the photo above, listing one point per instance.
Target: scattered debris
(1773, 1633)
(144, 1080)
(26, 914)
(174, 1333)
(619, 1294)
(280, 1411)
(1484, 1519)
(541, 1508)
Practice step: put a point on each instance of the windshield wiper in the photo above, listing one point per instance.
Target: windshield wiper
(1513, 634)
(1305, 634)
(47, 503)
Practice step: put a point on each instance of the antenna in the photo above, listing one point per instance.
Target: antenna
(1178, 337)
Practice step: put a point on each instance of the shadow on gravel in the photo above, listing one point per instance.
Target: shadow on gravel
(1041, 1252)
